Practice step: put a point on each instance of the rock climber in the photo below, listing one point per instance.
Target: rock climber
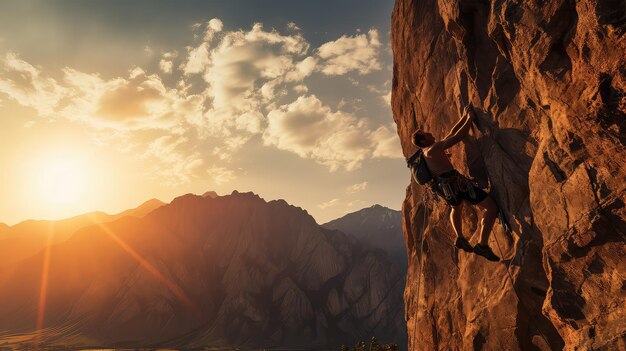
(455, 188)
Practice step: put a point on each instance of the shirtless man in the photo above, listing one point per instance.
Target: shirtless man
(458, 190)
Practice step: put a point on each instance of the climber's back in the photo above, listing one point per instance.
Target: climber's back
(434, 152)
(437, 160)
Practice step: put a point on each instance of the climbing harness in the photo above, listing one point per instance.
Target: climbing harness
(452, 183)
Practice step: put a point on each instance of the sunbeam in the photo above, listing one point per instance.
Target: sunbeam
(175, 289)
(43, 286)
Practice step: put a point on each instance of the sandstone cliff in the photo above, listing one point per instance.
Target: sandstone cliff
(548, 81)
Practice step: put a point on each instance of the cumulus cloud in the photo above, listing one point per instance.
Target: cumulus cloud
(337, 139)
(357, 53)
(197, 59)
(386, 142)
(213, 27)
(230, 86)
(245, 73)
(138, 102)
(166, 66)
(250, 73)
(301, 88)
(355, 188)
(27, 85)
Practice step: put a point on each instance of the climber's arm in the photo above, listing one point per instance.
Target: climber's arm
(457, 126)
(455, 136)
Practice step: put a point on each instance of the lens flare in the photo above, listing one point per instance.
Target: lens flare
(43, 285)
(175, 289)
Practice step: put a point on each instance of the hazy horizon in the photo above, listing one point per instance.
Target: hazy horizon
(165, 202)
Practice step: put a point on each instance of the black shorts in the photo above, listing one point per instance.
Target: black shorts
(479, 193)
(455, 200)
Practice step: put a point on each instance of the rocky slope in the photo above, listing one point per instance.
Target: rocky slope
(204, 271)
(375, 227)
(548, 80)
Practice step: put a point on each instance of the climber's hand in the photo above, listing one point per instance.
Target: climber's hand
(471, 114)
(466, 111)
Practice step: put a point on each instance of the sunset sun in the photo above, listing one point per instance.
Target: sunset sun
(61, 181)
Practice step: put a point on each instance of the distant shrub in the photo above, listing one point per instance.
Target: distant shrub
(374, 346)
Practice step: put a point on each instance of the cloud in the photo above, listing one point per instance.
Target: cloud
(221, 175)
(197, 59)
(170, 54)
(355, 188)
(310, 129)
(386, 142)
(356, 203)
(148, 50)
(249, 74)
(357, 53)
(26, 84)
(213, 27)
(330, 203)
(246, 72)
(174, 163)
(166, 66)
(300, 88)
(138, 102)
(229, 86)
(387, 98)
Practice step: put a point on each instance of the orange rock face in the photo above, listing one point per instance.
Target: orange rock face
(548, 81)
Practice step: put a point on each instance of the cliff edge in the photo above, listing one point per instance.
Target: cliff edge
(548, 81)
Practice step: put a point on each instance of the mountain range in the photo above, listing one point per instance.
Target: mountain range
(377, 227)
(219, 271)
(29, 237)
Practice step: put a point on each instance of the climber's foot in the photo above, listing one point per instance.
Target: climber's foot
(485, 251)
(463, 244)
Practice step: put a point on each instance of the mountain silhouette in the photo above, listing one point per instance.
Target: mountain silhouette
(377, 227)
(29, 237)
(232, 271)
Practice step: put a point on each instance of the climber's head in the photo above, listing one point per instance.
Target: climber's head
(422, 139)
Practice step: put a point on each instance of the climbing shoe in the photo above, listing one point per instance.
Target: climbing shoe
(463, 244)
(485, 251)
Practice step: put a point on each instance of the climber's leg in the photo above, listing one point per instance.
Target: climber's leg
(488, 219)
(456, 218)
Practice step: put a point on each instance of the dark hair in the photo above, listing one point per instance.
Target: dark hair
(418, 138)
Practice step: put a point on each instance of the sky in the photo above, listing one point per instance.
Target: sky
(106, 104)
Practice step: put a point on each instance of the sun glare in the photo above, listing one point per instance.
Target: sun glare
(62, 181)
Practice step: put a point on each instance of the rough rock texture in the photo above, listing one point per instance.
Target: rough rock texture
(232, 271)
(376, 227)
(548, 81)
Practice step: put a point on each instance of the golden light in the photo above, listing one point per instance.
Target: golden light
(160, 277)
(62, 180)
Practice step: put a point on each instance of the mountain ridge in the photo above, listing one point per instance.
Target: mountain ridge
(376, 226)
(263, 273)
(28, 237)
